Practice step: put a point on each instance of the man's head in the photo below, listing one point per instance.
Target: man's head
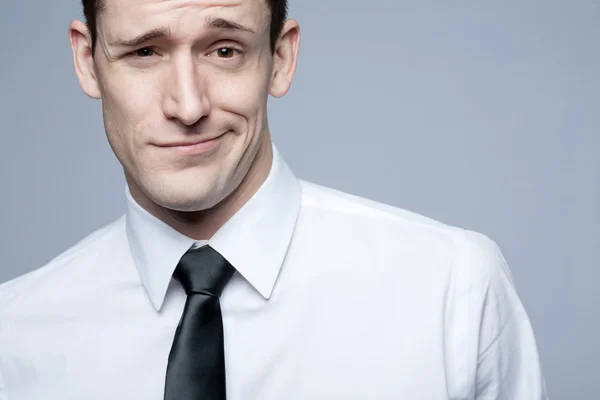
(174, 73)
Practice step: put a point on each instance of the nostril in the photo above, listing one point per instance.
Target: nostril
(186, 108)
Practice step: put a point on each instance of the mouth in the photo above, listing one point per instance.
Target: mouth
(192, 147)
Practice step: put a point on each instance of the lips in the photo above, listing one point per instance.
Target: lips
(186, 143)
(191, 147)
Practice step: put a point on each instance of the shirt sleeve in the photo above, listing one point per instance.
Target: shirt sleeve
(3, 394)
(507, 365)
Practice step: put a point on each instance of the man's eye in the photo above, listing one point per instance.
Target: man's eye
(145, 52)
(225, 52)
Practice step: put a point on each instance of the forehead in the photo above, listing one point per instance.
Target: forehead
(125, 17)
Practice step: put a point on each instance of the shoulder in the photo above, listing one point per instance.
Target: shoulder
(362, 213)
(52, 275)
(366, 215)
(458, 274)
(471, 255)
(327, 199)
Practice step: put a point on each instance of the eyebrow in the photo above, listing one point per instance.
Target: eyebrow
(221, 23)
(210, 22)
(143, 38)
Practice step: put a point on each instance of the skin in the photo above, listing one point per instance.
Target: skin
(197, 80)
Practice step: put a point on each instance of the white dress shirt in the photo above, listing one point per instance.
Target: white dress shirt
(335, 297)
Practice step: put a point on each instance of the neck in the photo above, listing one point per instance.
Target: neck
(203, 224)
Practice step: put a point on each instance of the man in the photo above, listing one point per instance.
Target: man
(230, 278)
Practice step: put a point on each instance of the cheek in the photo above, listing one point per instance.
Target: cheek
(129, 98)
(126, 107)
(242, 94)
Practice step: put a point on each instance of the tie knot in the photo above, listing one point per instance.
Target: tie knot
(203, 270)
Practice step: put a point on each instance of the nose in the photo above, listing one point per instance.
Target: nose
(185, 97)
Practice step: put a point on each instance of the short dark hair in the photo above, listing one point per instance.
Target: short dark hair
(279, 10)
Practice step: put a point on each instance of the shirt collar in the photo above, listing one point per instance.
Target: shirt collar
(254, 240)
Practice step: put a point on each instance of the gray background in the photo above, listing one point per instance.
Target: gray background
(479, 114)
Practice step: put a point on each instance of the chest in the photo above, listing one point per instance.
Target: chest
(296, 348)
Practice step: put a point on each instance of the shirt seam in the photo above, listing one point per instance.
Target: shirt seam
(3, 388)
(386, 213)
(4, 393)
(482, 356)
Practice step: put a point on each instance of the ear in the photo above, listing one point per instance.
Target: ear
(83, 60)
(285, 58)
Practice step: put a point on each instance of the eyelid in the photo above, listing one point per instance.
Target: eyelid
(226, 47)
(133, 53)
(237, 52)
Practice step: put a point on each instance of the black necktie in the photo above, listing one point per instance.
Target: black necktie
(196, 368)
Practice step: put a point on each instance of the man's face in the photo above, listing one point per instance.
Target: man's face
(185, 107)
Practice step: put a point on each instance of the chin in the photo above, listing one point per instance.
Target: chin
(189, 201)
(185, 195)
